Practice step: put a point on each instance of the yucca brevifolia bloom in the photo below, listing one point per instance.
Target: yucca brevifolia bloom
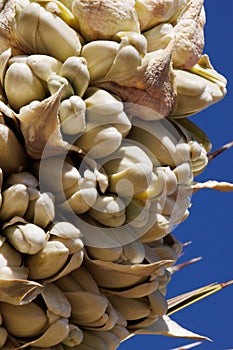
(97, 165)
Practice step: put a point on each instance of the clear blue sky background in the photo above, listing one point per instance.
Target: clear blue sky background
(210, 225)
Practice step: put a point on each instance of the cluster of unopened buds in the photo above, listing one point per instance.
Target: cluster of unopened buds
(98, 160)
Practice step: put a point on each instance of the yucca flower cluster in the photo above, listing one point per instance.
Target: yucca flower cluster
(98, 162)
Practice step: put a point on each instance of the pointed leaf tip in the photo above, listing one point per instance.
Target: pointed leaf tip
(225, 147)
(213, 185)
(226, 284)
(178, 267)
(188, 346)
(181, 301)
(166, 326)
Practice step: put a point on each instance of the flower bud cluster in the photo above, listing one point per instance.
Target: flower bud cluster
(97, 165)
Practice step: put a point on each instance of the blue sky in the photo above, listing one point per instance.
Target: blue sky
(210, 224)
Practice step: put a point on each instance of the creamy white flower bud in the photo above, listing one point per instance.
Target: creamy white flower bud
(75, 70)
(24, 320)
(61, 42)
(68, 234)
(109, 211)
(12, 156)
(99, 141)
(41, 210)
(15, 202)
(104, 108)
(43, 65)
(130, 171)
(22, 86)
(26, 238)
(102, 20)
(8, 255)
(48, 261)
(72, 115)
(55, 82)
